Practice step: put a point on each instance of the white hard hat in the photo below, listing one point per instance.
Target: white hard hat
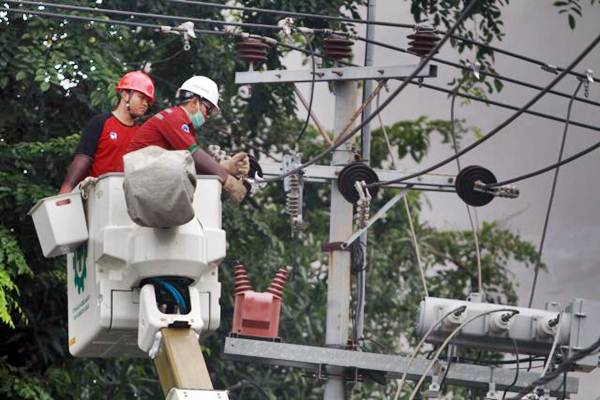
(203, 87)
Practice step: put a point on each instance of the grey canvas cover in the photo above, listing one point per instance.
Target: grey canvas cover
(159, 187)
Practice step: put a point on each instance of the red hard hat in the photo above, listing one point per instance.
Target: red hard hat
(137, 80)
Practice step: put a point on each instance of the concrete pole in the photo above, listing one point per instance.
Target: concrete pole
(361, 278)
(340, 228)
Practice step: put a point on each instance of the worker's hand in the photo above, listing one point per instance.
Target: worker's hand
(235, 189)
(238, 165)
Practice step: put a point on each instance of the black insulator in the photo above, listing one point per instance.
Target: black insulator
(465, 185)
(422, 41)
(252, 50)
(337, 47)
(355, 172)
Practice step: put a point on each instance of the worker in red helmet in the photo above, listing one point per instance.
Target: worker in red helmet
(102, 144)
(175, 128)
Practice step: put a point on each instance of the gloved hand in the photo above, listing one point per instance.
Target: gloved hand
(235, 189)
(238, 165)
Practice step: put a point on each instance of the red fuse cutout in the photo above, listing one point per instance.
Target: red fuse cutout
(257, 313)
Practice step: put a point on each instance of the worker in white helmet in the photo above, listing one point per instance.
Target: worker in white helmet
(175, 128)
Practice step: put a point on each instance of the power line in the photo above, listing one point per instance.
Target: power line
(467, 68)
(396, 92)
(545, 65)
(551, 199)
(143, 15)
(292, 14)
(504, 124)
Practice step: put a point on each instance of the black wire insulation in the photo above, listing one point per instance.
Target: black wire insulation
(514, 382)
(468, 68)
(312, 90)
(502, 125)
(422, 64)
(538, 263)
(565, 366)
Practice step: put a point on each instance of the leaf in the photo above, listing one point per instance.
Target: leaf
(44, 86)
(21, 75)
(571, 21)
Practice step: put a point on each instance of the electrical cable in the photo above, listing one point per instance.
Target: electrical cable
(382, 23)
(455, 147)
(562, 367)
(502, 125)
(130, 14)
(507, 106)
(292, 13)
(514, 382)
(421, 342)
(466, 68)
(554, 345)
(396, 92)
(448, 365)
(551, 199)
(246, 383)
(175, 294)
(448, 339)
(312, 89)
(413, 235)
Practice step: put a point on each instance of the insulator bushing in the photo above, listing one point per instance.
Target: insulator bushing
(240, 278)
(354, 172)
(465, 185)
(422, 41)
(252, 50)
(278, 282)
(337, 47)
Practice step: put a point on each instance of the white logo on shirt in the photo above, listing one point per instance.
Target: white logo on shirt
(185, 128)
(113, 135)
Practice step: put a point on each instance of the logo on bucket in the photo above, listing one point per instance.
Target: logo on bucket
(80, 268)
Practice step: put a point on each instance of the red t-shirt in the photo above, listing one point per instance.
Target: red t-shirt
(170, 129)
(104, 139)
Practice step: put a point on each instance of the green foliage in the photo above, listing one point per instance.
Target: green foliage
(56, 74)
(572, 9)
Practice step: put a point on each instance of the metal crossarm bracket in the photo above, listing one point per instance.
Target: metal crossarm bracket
(392, 366)
(380, 213)
(333, 74)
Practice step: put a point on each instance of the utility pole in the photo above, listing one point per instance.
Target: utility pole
(361, 278)
(340, 228)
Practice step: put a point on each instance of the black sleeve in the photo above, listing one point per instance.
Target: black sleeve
(91, 134)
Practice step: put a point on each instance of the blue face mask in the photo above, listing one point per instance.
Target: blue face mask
(197, 120)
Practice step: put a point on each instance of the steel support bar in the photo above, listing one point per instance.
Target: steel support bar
(180, 363)
(325, 173)
(314, 358)
(333, 74)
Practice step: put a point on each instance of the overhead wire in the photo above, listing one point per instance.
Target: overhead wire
(459, 309)
(312, 88)
(448, 339)
(565, 366)
(461, 38)
(551, 199)
(482, 72)
(516, 378)
(472, 224)
(396, 92)
(502, 125)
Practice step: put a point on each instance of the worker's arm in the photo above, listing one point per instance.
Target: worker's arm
(79, 169)
(85, 153)
(207, 165)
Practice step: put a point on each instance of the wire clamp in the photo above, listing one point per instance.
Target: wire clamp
(589, 79)
(475, 69)
(553, 69)
(506, 191)
(287, 26)
(363, 204)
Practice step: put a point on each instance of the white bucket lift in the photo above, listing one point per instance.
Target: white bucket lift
(105, 274)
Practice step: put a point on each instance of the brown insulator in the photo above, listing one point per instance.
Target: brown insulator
(337, 47)
(278, 282)
(240, 279)
(252, 50)
(422, 41)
